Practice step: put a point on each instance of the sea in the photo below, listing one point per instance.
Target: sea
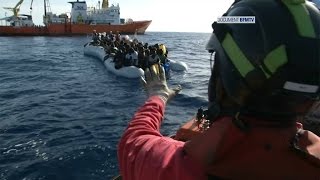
(62, 113)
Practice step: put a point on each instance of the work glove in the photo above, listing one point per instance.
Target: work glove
(155, 83)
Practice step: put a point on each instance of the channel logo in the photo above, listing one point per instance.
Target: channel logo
(237, 20)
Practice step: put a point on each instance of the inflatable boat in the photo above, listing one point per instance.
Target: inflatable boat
(126, 71)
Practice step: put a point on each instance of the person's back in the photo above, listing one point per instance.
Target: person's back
(117, 36)
(135, 58)
(265, 79)
(141, 58)
(95, 37)
(146, 59)
(119, 59)
(258, 152)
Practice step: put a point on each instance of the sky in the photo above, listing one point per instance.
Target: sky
(166, 15)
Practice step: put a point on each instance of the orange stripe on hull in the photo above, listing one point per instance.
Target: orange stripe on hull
(68, 29)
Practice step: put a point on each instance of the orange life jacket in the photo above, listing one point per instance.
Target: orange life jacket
(260, 153)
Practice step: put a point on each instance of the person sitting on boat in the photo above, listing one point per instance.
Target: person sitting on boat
(134, 54)
(153, 57)
(162, 57)
(126, 39)
(119, 59)
(135, 41)
(109, 48)
(146, 45)
(105, 38)
(117, 43)
(113, 50)
(141, 58)
(111, 36)
(103, 42)
(265, 77)
(135, 58)
(131, 57)
(117, 36)
(95, 37)
(164, 49)
(145, 63)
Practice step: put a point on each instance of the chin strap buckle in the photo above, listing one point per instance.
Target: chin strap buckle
(202, 120)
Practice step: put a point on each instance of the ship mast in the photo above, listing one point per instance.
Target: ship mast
(105, 4)
(47, 7)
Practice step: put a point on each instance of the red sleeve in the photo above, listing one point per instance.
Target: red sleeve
(145, 154)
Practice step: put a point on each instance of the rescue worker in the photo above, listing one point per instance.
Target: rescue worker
(266, 76)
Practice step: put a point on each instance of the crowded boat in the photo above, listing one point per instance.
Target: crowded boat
(120, 53)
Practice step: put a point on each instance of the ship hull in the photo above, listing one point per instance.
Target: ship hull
(68, 29)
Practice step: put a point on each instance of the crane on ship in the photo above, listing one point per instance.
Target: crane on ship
(31, 5)
(15, 9)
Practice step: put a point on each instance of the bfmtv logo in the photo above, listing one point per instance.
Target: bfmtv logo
(237, 20)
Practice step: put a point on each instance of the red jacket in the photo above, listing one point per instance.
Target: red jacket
(222, 151)
(144, 154)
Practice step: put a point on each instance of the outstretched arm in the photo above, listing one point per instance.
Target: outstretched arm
(145, 154)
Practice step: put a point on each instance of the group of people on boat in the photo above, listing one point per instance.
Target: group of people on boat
(128, 52)
(264, 82)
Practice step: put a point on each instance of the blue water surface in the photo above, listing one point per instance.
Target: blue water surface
(62, 113)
